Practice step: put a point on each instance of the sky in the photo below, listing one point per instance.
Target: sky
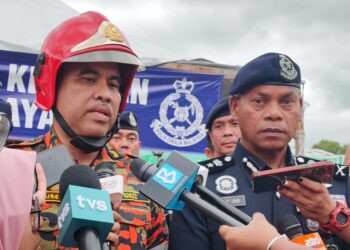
(313, 33)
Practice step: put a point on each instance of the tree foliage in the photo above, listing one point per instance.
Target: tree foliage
(330, 146)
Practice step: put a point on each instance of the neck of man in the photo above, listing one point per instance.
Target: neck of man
(78, 155)
(274, 158)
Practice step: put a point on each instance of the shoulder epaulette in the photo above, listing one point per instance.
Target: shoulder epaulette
(218, 164)
(113, 153)
(341, 172)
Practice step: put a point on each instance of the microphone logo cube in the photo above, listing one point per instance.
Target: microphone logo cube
(168, 176)
(176, 174)
(84, 207)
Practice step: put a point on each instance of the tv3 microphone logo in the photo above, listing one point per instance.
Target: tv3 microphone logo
(168, 176)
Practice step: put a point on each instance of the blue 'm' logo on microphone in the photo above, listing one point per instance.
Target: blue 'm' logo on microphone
(167, 176)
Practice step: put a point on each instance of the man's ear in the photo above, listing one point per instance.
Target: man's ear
(234, 104)
(301, 101)
(208, 153)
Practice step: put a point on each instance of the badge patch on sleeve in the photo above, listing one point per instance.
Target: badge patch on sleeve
(226, 184)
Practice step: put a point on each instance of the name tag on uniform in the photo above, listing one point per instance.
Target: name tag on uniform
(237, 200)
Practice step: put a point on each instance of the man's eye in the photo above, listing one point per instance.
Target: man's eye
(88, 79)
(114, 85)
(235, 123)
(288, 101)
(132, 139)
(218, 126)
(258, 101)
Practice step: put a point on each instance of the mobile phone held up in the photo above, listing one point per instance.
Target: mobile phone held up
(268, 180)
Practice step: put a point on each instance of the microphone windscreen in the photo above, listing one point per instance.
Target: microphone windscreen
(78, 175)
(142, 169)
(288, 224)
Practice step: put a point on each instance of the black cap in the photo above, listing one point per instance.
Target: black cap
(5, 107)
(267, 69)
(128, 120)
(222, 108)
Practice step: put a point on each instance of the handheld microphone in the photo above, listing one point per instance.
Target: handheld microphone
(85, 216)
(113, 184)
(110, 182)
(169, 186)
(289, 225)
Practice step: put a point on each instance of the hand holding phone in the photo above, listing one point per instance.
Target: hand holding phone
(268, 180)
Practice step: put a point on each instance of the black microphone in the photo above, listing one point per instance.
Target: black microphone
(169, 184)
(146, 170)
(85, 216)
(290, 226)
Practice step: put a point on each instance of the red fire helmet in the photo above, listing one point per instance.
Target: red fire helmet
(89, 37)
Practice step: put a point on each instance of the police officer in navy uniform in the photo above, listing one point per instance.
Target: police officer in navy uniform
(223, 130)
(127, 138)
(267, 99)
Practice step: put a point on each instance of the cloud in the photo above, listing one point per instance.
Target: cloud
(314, 33)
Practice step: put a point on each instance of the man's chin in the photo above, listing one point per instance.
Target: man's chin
(97, 132)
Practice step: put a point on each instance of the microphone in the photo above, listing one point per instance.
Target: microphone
(169, 186)
(85, 216)
(290, 226)
(110, 182)
(113, 184)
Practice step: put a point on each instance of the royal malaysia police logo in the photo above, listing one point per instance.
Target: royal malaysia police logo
(181, 116)
(287, 68)
(226, 184)
(312, 225)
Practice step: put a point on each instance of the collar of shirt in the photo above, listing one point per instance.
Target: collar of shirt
(107, 153)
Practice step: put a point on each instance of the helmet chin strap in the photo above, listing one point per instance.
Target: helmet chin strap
(85, 143)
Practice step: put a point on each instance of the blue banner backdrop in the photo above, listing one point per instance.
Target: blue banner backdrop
(171, 106)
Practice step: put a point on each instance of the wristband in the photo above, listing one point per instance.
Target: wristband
(283, 236)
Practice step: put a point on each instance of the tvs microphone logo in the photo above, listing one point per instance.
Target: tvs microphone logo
(168, 176)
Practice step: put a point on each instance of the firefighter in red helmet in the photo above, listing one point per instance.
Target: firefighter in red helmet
(84, 74)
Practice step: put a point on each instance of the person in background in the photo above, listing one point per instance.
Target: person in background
(223, 130)
(127, 138)
(83, 74)
(19, 218)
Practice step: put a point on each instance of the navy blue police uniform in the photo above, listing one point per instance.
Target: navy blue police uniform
(229, 177)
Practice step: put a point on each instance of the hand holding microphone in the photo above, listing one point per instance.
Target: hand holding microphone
(259, 234)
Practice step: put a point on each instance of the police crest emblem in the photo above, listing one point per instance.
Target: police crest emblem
(287, 68)
(181, 116)
(226, 184)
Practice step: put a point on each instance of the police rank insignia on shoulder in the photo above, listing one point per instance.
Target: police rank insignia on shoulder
(217, 164)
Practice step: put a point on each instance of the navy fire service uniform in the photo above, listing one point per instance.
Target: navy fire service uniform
(229, 176)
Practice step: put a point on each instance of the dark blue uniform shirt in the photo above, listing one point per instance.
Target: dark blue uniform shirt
(192, 230)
